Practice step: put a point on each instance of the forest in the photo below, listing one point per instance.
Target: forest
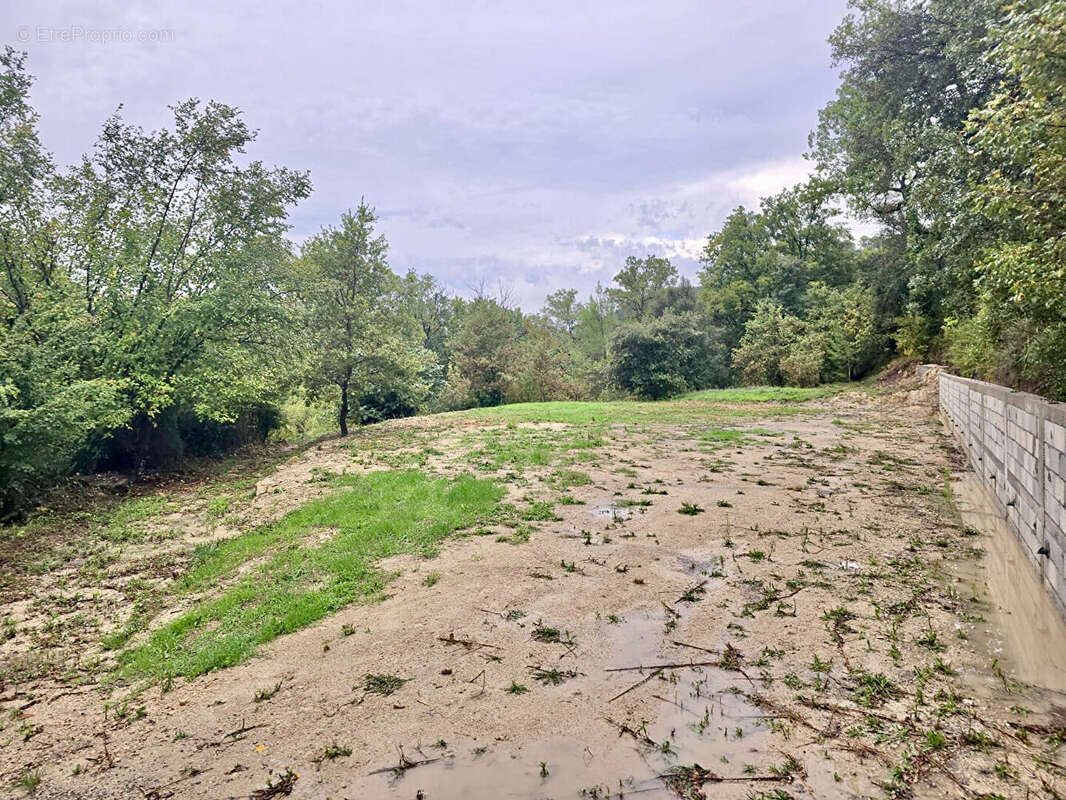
(153, 308)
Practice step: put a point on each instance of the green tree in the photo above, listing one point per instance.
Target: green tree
(544, 366)
(770, 336)
(434, 311)
(485, 349)
(640, 281)
(843, 323)
(361, 344)
(561, 310)
(596, 318)
(145, 293)
(893, 141)
(1021, 132)
(665, 356)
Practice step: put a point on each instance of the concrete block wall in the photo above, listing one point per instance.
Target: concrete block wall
(1016, 443)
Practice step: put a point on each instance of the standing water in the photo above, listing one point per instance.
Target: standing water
(1029, 631)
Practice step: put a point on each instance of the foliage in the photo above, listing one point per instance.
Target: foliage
(1021, 134)
(639, 282)
(148, 283)
(361, 344)
(483, 350)
(665, 357)
(151, 307)
(544, 366)
(769, 336)
(948, 129)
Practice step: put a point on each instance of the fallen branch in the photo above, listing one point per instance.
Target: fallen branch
(469, 644)
(636, 685)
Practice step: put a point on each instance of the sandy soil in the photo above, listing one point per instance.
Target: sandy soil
(813, 632)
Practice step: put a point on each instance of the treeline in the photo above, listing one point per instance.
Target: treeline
(152, 308)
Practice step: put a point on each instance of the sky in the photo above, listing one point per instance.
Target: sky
(521, 147)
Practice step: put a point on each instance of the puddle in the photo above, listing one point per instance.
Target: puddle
(637, 639)
(700, 565)
(685, 716)
(1026, 630)
(572, 767)
(717, 730)
(614, 512)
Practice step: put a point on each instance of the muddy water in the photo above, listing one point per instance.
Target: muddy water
(694, 724)
(689, 716)
(1026, 632)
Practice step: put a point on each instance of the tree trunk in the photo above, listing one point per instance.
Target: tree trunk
(343, 415)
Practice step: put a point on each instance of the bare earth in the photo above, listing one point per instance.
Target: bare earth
(818, 630)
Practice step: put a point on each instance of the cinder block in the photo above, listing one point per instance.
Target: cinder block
(1055, 435)
(1056, 489)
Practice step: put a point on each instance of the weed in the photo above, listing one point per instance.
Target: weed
(552, 676)
(29, 781)
(262, 695)
(333, 751)
(384, 683)
(874, 690)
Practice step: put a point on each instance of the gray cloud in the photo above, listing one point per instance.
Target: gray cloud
(532, 144)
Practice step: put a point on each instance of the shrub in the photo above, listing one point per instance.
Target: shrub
(803, 364)
(666, 356)
(769, 338)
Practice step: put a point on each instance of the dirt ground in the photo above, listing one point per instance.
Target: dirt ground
(814, 626)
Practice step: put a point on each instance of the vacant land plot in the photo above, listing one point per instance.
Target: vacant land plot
(740, 594)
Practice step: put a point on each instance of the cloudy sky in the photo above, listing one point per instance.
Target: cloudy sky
(530, 145)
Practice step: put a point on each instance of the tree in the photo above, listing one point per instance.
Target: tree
(434, 311)
(361, 344)
(596, 318)
(639, 282)
(1021, 132)
(843, 325)
(561, 310)
(144, 295)
(665, 356)
(177, 256)
(484, 350)
(769, 338)
(543, 367)
(893, 141)
(799, 221)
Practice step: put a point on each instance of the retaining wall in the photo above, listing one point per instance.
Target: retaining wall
(1016, 443)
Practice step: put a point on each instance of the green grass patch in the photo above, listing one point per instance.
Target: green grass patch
(291, 583)
(768, 394)
(709, 405)
(566, 478)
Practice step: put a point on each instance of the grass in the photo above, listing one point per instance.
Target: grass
(518, 448)
(721, 404)
(383, 684)
(286, 582)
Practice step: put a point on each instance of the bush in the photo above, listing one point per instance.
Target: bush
(40, 444)
(970, 345)
(665, 357)
(803, 364)
(483, 350)
(769, 338)
(543, 368)
(302, 421)
(167, 440)
(390, 402)
(914, 333)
